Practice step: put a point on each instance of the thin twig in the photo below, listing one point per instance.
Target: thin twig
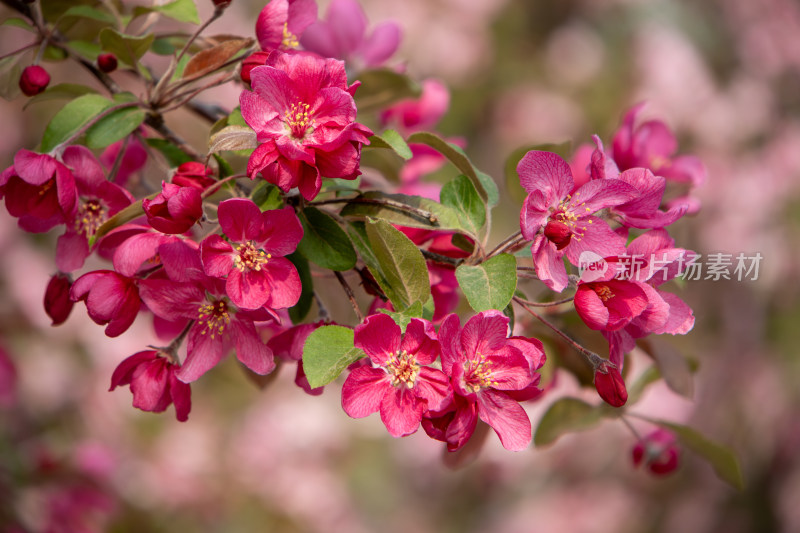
(18, 50)
(156, 121)
(439, 258)
(512, 241)
(350, 296)
(546, 304)
(386, 202)
(594, 359)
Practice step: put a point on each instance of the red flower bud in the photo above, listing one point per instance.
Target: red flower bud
(610, 385)
(34, 80)
(558, 233)
(175, 209)
(252, 61)
(107, 62)
(658, 451)
(193, 174)
(57, 303)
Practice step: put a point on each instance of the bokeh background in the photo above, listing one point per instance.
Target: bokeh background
(724, 74)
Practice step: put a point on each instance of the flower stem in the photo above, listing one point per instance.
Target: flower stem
(386, 202)
(594, 359)
(350, 296)
(511, 242)
(18, 50)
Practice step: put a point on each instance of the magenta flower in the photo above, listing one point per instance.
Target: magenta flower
(400, 384)
(609, 305)
(657, 261)
(652, 145)
(218, 325)
(255, 271)
(133, 159)
(343, 35)
(154, 383)
(98, 200)
(112, 300)
(658, 451)
(57, 303)
(282, 22)
(486, 369)
(175, 210)
(304, 115)
(569, 225)
(39, 191)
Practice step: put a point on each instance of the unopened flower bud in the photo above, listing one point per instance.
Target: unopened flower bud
(610, 385)
(558, 233)
(193, 174)
(107, 62)
(658, 451)
(256, 59)
(34, 80)
(175, 209)
(57, 303)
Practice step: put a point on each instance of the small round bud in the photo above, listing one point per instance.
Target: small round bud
(34, 80)
(610, 385)
(256, 59)
(107, 62)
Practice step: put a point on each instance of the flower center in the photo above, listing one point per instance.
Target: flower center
(478, 375)
(298, 120)
(45, 187)
(213, 317)
(404, 369)
(91, 216)
(604, 292)
(289, 39)
(250, 257)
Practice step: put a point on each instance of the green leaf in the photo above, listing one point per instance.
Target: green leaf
(267, 196)
(484, 184)
(17, 22)
(60, 91)
(71, 118)
(510, 168)
(564, 416)
(327, 352)
(324, 242)
(89, 13)
(114, 126)
(174, 155)
(392, 140)
(180, 10)
(10, 72)
(382, 87)
(402, 318)
(86, 49)
(722, 459)
(491, 284)
(401, 264)
(54, 53)
(303, 305)
(128, 48)
(445, 218)
(225, 168)
(463, 197)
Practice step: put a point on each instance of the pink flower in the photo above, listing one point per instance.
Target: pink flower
(57, 303)
(342, 35)
(154, 383)
(281, 23)
(38, 190)
(419, 114)
(487, 369)
(658, 451)
(98, 200)
(609, 305)
(569, 227)
(255, 272)
(652, 145)
(175, 210)
(112, 300)
(400, 384)
(610, 385)
(34, 79)
(218, 325)
(304, 116)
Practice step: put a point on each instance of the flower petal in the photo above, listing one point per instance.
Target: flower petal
(507, 418)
